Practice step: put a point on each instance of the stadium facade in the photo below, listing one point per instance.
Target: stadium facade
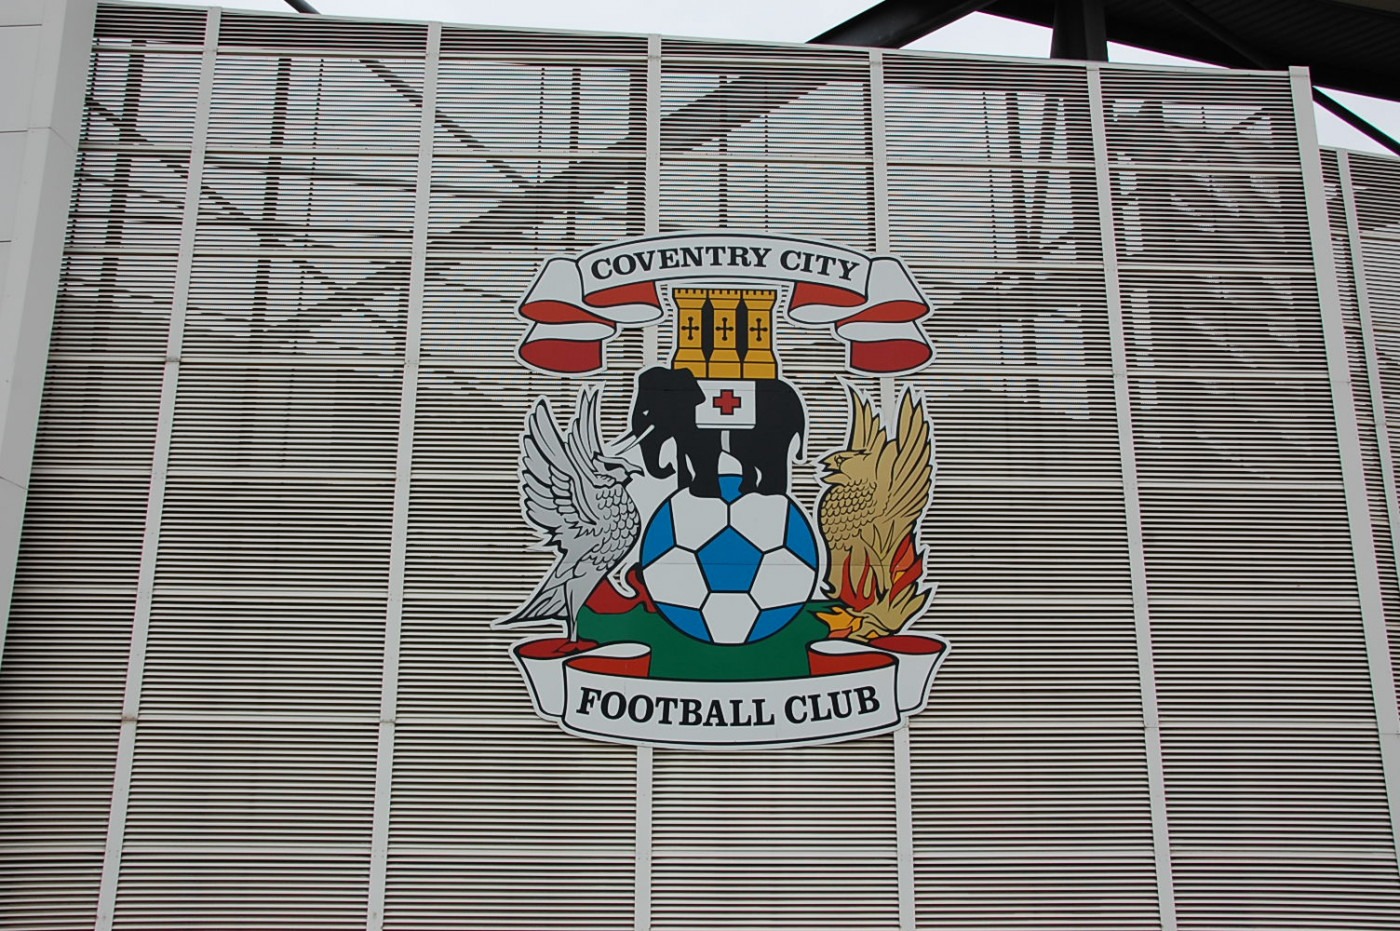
(267, 270)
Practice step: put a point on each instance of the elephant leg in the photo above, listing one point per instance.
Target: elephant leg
(748, 447)
(706, 451)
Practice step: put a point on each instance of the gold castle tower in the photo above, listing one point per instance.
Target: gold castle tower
(725, 332)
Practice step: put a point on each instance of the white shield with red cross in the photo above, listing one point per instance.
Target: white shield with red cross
(728, 405)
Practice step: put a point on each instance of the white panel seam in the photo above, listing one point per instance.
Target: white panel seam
(889, 406)
(1349, 447)
(1137, 562)
(155, 502)
(403, 467)
(651, 354)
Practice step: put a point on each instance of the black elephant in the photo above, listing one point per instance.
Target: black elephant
(665, 409)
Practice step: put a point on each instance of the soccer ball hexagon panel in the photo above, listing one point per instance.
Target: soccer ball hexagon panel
(732, 569)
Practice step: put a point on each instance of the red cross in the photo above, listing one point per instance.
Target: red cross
(727, 402)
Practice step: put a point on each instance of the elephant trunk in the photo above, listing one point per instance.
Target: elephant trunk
(651, 440)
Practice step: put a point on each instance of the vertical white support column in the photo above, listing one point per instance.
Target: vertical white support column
(403, 469)
(641, 916)
(155, 500)
(1363, 547)
(1127, 455)
(889, 409)
(651, 184)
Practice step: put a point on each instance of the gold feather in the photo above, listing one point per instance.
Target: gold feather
(878, 488)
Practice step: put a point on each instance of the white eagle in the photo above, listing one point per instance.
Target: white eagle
(578, 498)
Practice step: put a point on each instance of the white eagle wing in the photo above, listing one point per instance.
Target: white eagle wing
(556, 474)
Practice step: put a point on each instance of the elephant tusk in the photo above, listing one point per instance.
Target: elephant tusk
(631, 440)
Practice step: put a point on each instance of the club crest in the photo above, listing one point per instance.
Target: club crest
(693, 601)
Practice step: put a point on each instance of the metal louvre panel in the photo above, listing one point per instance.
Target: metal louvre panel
(57, 783)
(99, 416)
(326, 195)
(116, 304)
(49, 891)
(281, 416)
(275, 532)
(87, 633)
(288, 653)
(535, 206)
(83, 531)
(316, 101)
(120, 25)
(1063, 891)
(1205, 117)
(128, 202)
(965, 111)
(190, 783)
(1364, 364)
(538, 105)
(1211, 219)
(278, 470)
(1243, 891)
(775, 197)
(1005, 318)
(1235, 428)
(256, 890)
(1260, 659)
(540, 766)
(1287, 791)
(320, 35)
(744, 839)
(986, 216)
(1239, 320)
(285, 305)
(1246, 536)
(517, 44)
(810, 112)
(739, 52)
(776, 803)
(1032, 659)
(140, 96)
(505, 890)
(1375, 213)
(1219, 544)
(997, 792)
(828, 890)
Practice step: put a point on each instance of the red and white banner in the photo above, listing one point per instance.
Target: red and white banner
(872, 304)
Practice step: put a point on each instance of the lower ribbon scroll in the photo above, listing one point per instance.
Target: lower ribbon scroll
(853, 689)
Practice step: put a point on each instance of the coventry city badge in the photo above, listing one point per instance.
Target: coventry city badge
(720, 613)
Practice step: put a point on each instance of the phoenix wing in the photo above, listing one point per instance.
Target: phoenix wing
(575, 505)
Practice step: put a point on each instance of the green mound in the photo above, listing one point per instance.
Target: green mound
(675, 655)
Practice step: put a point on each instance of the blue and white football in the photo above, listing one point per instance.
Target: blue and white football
(732, 569)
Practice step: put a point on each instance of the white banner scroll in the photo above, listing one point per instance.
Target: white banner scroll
(853, 690)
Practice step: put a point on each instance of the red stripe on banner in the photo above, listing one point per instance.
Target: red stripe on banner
(565, 356)
(911, 644)
(808, 293)
(888, 312)
(559, 312)
(888, 356)
(641, 292)
(831, 664)
(633, 667)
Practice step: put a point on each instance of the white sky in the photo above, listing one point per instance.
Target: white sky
(779, 21)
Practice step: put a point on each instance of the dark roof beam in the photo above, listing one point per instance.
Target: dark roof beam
(896, 23)
(1079, 31)
(1252, 57)
(1355, 120)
